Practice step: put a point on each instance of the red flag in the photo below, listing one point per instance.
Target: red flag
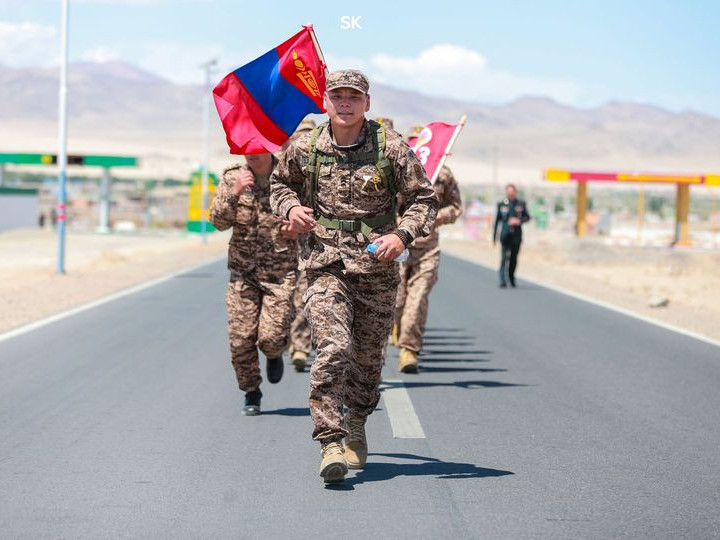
(433, 144)
(261, 103)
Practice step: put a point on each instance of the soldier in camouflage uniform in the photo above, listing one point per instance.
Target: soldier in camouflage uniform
(262, 259)
(300, 337)
(419, 274)
(339, 184)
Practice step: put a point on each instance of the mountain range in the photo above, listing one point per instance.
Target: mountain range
(117, 108)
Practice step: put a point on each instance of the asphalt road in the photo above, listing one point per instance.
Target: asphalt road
(544, 417)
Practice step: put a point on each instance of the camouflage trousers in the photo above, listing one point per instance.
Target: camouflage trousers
(259, 315)
(418, 275)
(350, 316)
(300, 337)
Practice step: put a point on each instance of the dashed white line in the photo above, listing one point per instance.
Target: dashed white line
(403, 418)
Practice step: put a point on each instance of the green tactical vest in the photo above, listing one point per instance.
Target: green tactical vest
(375, 156)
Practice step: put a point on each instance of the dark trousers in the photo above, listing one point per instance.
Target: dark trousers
(510, 247)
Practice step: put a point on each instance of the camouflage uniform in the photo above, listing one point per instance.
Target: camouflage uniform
(263, 268)
(300, 337)
(351, 295)
(419, 273)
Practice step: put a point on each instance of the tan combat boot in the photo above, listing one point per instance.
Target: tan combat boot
(299, 360)
(333, 467)
(395, 336)
(407, 362)
(356, 448)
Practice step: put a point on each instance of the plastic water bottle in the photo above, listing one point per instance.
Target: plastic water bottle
(372, 248)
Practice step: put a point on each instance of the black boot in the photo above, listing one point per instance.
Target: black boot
(274, 369)
(252, 403)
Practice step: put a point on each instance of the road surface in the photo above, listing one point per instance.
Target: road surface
(535, 415)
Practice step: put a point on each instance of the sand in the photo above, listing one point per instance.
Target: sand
(628, 277)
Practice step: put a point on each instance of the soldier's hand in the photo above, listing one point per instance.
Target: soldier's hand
(301, 219)
(287, 232)
(243, 180)
(514, 221)
(439, 221)
(389, 247)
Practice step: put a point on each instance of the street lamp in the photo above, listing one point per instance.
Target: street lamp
(207, 66)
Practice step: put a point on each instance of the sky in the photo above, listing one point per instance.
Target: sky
(581, 53)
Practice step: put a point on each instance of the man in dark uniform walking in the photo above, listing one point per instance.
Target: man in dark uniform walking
(511, 214)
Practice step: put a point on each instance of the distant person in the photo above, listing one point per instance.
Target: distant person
(511, 214)
(262, 260)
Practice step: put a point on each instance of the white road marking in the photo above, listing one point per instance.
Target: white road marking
(606, 305)
(100, 301)
(403, 419)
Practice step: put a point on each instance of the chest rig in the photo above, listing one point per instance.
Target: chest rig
(376, 156)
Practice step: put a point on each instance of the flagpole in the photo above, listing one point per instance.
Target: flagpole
(450, 144)
(317, 45)
(207, 66)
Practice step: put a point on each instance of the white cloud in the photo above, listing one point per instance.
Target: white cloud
(455, 71)
(28, 43)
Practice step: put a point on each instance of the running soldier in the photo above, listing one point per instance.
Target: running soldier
(262, 259)
(339, 183)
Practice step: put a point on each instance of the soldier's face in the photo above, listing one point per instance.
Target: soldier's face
(510, 192)
(259, 163)
(346, 107)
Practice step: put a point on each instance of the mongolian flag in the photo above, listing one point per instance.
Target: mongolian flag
(261, 103)
(433, 145)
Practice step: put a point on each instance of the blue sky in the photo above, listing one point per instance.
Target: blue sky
(583, 53)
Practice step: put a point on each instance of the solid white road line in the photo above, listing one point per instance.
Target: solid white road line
(606, 305)
(100, 301)
(403, 419)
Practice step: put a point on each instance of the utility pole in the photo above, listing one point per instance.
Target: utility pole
(62, 139)
(207, 66)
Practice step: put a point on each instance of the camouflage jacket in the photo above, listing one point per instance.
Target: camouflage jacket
(256, 245)
(448, 194)
(352, 191)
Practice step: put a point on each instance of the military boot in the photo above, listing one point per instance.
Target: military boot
(333, 467)
(407, 361)
(395, 336)
(274, 369)
(252, 403)
(299, 360)
(356, 448)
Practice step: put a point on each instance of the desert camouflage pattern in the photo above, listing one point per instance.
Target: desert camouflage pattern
(387, 122)
(263, 268)
(351, 315)
(419, 273)
(347, 78)
(348, 191)
(351, 295)
(300, 336)
(259, 316)
(256, 245)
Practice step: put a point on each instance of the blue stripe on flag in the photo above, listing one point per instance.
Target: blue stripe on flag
(282, 102)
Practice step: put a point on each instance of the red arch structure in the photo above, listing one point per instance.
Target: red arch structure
(682, 203)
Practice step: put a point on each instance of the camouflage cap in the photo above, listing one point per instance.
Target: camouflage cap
(308, 124)
(387, 122)
(415, 131)
(348, 78)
